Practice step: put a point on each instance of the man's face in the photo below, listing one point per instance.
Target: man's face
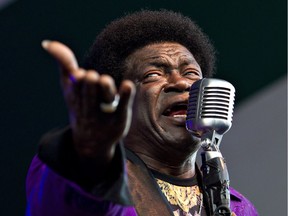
(163, 74)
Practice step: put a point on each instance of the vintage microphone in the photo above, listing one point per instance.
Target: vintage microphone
(209, 116)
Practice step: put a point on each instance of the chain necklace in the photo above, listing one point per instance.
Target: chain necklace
(184, 197)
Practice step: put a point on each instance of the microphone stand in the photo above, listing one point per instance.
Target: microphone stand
(215, 175)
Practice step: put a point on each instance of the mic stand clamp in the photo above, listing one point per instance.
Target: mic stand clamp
(215, 175)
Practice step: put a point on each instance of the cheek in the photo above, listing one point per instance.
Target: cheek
(139, 106)
(147, 95)
(145, 103)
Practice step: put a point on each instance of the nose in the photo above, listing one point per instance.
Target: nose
(177, 83)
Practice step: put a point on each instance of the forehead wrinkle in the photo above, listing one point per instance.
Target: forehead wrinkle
(157, 59)
(177, 59)
(178, 56)
(171, 61)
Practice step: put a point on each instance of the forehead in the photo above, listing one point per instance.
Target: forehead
(172, 52)
(168, 49)
(158, 53)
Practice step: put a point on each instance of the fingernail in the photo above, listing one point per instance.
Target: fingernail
(45, 43)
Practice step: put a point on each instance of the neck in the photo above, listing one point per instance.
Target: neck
(167, 157)
(182, 169)
(180, 164)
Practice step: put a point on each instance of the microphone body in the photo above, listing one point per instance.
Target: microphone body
(209, 116)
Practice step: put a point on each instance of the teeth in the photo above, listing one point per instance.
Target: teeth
(181, 116)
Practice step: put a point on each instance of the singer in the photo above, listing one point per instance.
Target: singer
(126, 150)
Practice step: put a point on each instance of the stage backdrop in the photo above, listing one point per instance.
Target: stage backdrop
(250, 37)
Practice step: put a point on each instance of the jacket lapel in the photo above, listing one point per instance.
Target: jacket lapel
(146, 194)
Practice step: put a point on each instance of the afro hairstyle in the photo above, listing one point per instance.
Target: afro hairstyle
(125, 35)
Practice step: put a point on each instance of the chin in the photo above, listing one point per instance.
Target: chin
(183, 141)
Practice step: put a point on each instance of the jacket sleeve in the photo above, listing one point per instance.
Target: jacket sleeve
(240, 205)
(51, 189)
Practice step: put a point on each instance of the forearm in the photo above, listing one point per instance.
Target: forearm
(50, 194)
(53, 181)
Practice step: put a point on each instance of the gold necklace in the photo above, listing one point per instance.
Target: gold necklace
(184, 197)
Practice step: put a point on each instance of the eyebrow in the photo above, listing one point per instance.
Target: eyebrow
(187, 61)
(159, 64)
(162, 62)
(156, 61)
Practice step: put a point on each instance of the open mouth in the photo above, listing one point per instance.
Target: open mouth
(176, 110)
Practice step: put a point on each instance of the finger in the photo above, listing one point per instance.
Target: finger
(108, 88)
(90, 93)
(64, 56)
(127, 92)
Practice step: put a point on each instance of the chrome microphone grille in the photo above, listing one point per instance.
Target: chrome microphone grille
(215, 103)
(210, 106)
(193, 101)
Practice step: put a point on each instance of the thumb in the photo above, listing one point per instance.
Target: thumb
(63, 55)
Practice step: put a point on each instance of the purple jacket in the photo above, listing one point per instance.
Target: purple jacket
(50, 191)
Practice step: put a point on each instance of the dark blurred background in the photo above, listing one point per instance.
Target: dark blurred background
(250, 37)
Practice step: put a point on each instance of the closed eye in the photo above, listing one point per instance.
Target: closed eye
(152, 76)
(192, 74)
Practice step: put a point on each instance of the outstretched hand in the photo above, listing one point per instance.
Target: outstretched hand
(95, 132)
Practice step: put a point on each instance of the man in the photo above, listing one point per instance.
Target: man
(133, 94)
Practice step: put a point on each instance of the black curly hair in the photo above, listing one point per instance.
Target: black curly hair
(123, 36)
